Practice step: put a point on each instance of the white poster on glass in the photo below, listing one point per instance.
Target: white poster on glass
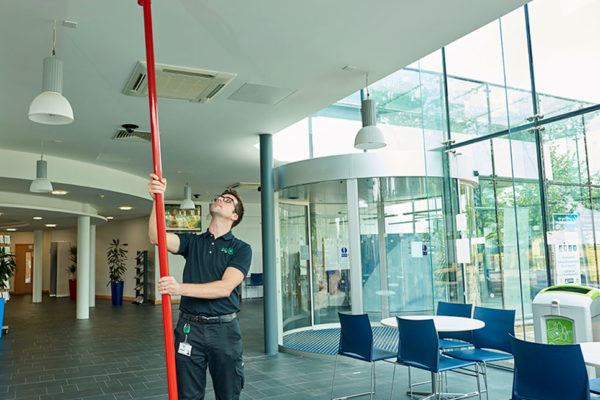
(463, 251)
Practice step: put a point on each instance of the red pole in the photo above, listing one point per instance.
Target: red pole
(160, 204)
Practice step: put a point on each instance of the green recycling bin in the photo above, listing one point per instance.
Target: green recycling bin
(567, 314)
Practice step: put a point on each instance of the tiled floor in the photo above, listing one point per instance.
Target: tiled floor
(119, 354)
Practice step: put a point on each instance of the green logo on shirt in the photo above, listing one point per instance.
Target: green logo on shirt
(227, 250)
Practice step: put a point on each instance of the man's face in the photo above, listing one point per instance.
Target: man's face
(224, 205)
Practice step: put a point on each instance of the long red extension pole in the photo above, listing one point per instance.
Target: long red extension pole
(159, 201)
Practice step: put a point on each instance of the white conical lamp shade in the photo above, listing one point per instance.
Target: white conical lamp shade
(369, 137)
(51, 107)
(41, 184)
(187, 203)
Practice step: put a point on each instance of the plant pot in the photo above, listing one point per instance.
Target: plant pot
(116, 290)
(73, 289)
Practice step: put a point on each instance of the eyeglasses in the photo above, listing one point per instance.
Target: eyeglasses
(226, 199)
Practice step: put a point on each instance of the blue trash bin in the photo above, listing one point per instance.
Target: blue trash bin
(1, 315)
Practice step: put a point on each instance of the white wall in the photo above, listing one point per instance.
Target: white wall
(134, 232)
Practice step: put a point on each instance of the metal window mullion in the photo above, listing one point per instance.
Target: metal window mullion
(591, 198)
(495, 190)
(539, 150)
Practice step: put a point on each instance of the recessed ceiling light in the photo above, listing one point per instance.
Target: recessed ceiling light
(50, 225)
(109, 218)
(126, 208)
(59, 192)
(11, 229)
(37, 218)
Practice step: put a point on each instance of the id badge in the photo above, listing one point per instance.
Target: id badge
(185, 349)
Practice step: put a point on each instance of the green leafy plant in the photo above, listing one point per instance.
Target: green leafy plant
(116, 256)
(7, 267)
(72, 269)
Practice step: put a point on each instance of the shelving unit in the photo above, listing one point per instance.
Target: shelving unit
(141, 277)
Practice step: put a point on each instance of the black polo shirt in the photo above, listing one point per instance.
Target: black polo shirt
(206, 260)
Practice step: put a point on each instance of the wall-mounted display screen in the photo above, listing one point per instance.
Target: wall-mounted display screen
(177, 219)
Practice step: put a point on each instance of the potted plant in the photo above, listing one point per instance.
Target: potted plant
(116, 256)
(72, 269)
(7, 270)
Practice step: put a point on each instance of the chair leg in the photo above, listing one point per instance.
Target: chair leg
(487, 393)
(409, 383)
(393, 378)
(333, 379)
(477, 377)
(372, 379)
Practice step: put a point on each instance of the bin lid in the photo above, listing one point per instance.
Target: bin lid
(588, 292)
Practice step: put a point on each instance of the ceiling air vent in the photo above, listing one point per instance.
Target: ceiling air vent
(179, 83)
(129, 134)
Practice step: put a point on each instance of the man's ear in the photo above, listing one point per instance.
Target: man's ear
(234, 216)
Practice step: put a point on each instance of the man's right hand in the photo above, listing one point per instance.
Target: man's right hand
(156, 186)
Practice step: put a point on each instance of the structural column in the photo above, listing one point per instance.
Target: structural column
(38, 243)
(93, 266)
(83, 267)
(268, 242)
(356, 292)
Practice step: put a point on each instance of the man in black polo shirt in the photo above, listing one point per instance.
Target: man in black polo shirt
(208, 332)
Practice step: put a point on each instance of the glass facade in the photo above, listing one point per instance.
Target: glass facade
(514, 106)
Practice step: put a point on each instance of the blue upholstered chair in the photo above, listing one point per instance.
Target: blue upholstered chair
(356, 341)
(549, 372)
(495, 335)
(454, 340)
(418, 347)
(595, 386)
(256, 279)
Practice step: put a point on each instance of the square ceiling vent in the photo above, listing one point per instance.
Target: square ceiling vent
(179, 83)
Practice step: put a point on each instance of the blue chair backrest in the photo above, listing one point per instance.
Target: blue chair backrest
(549, 372)
(356, 336)
(455, 310)
(256, 279)
(418, 342)
(499, 325)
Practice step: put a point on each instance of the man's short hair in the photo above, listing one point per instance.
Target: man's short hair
(239, 207)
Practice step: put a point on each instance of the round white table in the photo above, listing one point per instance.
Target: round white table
(442, 323)
(591, 353)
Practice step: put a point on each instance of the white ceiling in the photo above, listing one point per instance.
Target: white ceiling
(300, 46)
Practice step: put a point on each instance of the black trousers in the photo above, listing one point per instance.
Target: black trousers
(216, 345)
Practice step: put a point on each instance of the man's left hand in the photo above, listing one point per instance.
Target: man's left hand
(169, 285)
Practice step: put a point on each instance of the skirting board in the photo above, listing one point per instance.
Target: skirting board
(159, 302)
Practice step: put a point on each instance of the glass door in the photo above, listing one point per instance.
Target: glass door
(295, 265)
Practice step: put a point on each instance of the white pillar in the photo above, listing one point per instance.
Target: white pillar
(38, 244)
(93, 266)
(83, 267)
(356, 289)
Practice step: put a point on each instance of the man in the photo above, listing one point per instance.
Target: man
(208, 332)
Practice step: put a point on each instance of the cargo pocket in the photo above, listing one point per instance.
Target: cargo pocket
(239, 371)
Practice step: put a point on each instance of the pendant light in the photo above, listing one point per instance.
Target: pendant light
(41, 184)
(187, 203)
(51, 107)
(369, 136)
